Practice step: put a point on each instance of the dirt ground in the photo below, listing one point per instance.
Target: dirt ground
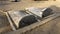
(52, 27)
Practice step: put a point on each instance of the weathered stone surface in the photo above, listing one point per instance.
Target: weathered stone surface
(35, 11)
(21, 18)
(39, 11)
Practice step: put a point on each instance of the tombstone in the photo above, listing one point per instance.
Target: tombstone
(21, 18)
(40, 12)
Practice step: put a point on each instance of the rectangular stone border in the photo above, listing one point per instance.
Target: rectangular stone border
(35, 25)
